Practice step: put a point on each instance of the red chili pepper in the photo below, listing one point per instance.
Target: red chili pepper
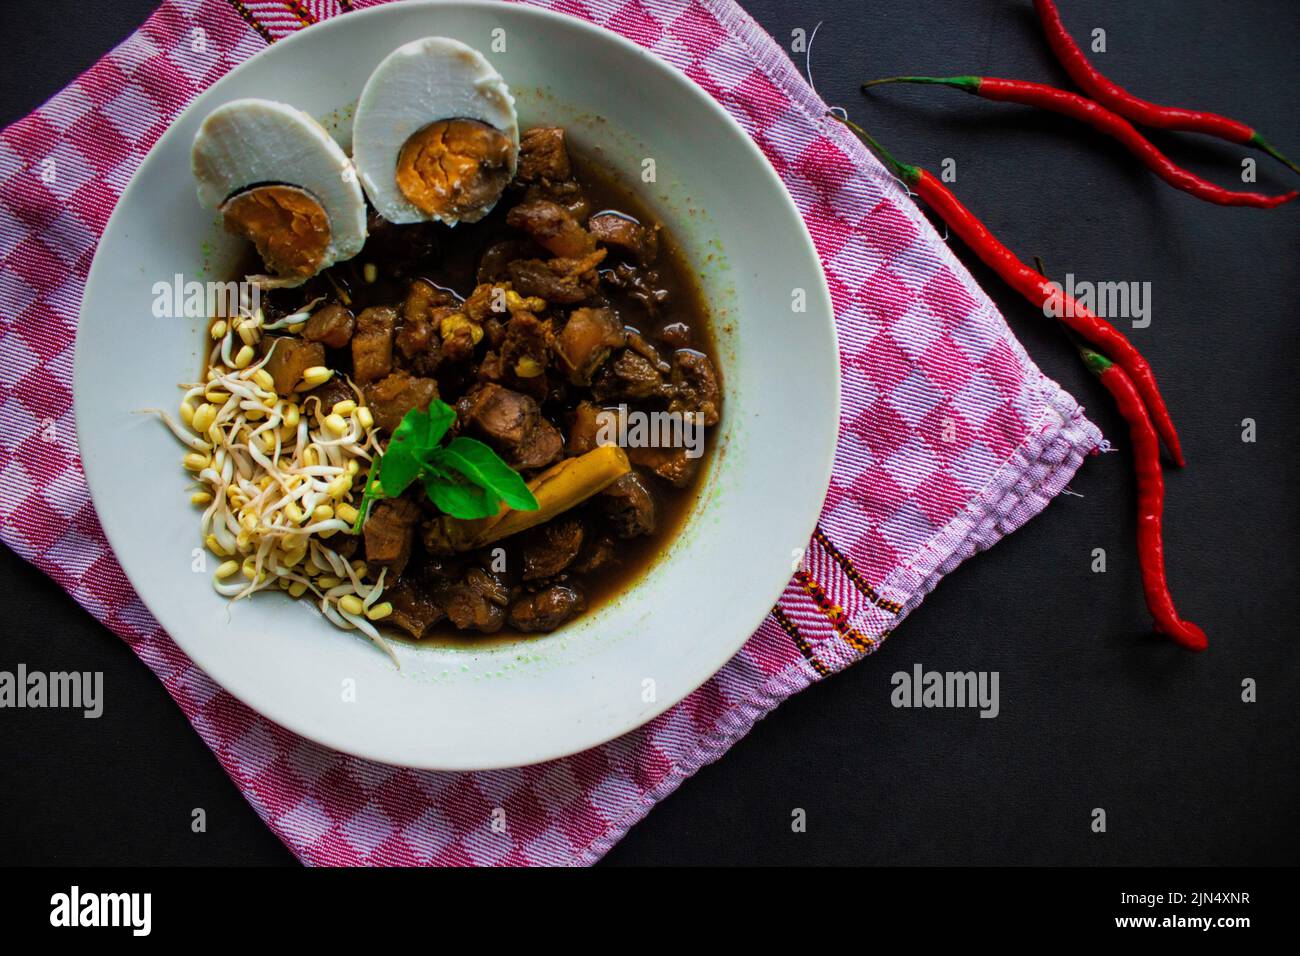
(1034, 287)
(1151, 502)
(1103, 120)
(1111, 94)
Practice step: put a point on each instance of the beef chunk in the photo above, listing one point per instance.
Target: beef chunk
(290, 357)
(459, 342)
(424, 295)
(642, 284)
(492, 266)
(540, 278)
(585, 342)
(546, 610)
(567, 193)
(393, 396)
(639, 344)
(477, 603)
(390, 533)
(629, 506)
(331, 326)
(616, 229)
(501, 416)
(417, 339)
(372, 344)
(417, 343)
(585, 428)
(526, 347)
(415, 609)
(552, 227)
(676, 335)
(558, 281)
(540, 447)
(629, 376)
(673, 465)
(542, 155)
(511, 422)
(550, 549)
(487, 299)
(598, 551)
(491, 369)
(695, 386)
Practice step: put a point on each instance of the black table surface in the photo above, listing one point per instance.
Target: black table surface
(1094, 713)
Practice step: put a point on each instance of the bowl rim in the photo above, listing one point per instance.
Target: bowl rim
(282, 713)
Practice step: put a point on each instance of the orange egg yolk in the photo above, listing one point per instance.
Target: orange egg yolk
(288, 226)
(454, 168)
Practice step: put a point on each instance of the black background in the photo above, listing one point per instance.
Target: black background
(1094, 713)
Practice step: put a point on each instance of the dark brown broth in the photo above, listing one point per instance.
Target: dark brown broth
(449, 257)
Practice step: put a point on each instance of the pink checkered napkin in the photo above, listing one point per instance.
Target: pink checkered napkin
(950, 438)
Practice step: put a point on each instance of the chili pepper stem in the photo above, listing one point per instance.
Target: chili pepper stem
(911, 175)
(1259, 142)
(1094, 360)
(970, 84)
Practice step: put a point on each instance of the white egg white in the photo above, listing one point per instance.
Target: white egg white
(253, 142)
(422, 82)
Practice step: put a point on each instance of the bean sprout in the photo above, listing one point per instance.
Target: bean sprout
(267, 471)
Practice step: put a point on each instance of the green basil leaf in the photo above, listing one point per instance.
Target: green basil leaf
(465, 479)
(480, 465)
(420, 430)
(397, 469)
(414, 441)
(460, 499)
(410, 430)
(440, 418)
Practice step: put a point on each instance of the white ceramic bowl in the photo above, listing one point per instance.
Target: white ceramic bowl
(514, 703)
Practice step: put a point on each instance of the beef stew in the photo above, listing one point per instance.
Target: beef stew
(566, 311)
